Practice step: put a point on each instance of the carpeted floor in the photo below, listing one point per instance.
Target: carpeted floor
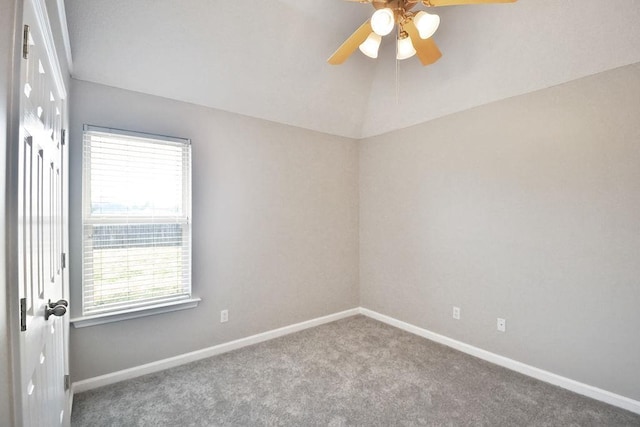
(354, 372)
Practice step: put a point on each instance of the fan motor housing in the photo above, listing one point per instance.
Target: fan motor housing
(394, 4)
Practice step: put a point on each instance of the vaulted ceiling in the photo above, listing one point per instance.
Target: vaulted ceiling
(267, 59)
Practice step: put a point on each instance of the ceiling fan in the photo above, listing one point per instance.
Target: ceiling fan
(414, 29)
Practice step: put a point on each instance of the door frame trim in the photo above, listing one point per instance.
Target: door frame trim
(49, 46)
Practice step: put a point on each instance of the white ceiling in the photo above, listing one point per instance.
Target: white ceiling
(267, 59)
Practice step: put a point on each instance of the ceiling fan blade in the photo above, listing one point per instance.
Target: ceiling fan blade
(351, 44)
(427, 50)
(461, 2)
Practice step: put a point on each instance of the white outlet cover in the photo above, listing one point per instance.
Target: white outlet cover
(456, 313)
(502, 324)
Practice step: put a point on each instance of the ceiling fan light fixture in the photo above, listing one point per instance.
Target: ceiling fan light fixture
(405, 47)
(382, 21)
(426, 23)
(371, 45)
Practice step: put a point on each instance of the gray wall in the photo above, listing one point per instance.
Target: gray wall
(525, 208)
(528, 209)
(275, 241)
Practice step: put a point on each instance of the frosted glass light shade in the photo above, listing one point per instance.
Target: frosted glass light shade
(371, 45)
(382, 21)
(405, 48)
(426, 23)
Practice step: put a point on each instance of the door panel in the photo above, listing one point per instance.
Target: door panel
(41, 231)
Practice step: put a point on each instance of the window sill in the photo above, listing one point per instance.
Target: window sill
(133, 313)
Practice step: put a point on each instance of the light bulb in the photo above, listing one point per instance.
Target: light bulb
(371, 45)
(405, 48)
(426, 23)
(382, 21)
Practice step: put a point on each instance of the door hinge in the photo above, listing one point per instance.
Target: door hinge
(67, 382)
(63, 260)
(23, 314)
(63, 136)
(25, 42)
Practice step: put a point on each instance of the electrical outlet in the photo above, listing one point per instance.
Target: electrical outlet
(456, 313)
(502, 324)
(224, 316)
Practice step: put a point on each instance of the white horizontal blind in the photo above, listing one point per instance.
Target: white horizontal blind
(136, 220)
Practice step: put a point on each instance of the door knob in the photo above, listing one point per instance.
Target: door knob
(58, 310)
(59, 302)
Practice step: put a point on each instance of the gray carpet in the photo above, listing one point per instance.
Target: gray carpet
(356, 371)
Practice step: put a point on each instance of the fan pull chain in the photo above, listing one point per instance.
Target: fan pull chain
(397, 72)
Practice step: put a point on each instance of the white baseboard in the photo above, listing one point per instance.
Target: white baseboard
(540, 374)
(182, 359)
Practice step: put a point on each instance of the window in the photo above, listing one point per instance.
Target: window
(136, 250)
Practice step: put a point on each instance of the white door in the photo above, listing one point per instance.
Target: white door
(41, 230)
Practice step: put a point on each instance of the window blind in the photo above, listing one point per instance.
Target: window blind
(136, 220)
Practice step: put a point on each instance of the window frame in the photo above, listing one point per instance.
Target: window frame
(137, 308)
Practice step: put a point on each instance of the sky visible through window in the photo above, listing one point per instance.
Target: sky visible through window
(142, 178)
